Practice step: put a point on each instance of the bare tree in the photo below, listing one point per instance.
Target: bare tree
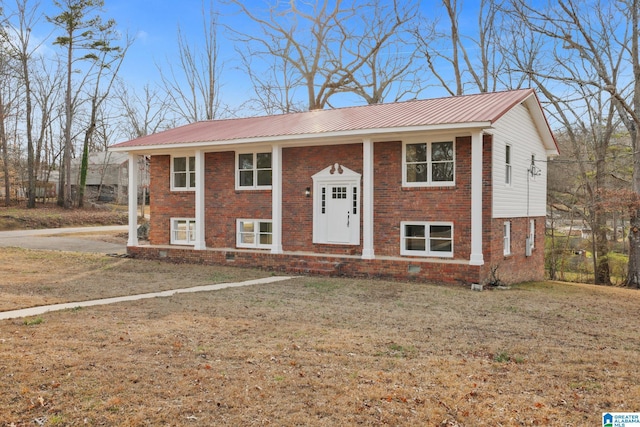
(17, 38)
(79, 36)
(7, 99)
(193, 86)
(47, 81)
(329, 47)
(107, 63)
(590, 48)
(274, 85)
(142, 114)
(389, 69)
(478, 68)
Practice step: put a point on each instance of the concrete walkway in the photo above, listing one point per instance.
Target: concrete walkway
(52, 239)
(35, 311)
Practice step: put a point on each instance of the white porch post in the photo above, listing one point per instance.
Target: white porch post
(133, 200)
(477, 257)
(367, 200)
(276, 200)
(200, 217)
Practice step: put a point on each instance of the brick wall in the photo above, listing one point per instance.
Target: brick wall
(164, 203)
(392, 269)
(298, 166)
(516, 267)
(224, 204)
(393, 204)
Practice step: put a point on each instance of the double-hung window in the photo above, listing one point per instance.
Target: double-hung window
(507, 238)
(507, 165)
(429, 163)
(183, 231)
(183, 173)
(254, 233)
(426, 239)
(253, 170)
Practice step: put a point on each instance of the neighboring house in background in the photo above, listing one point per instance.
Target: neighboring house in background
(108, 176)
(440, 190)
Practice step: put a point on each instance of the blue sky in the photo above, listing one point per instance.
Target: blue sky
(154, 25)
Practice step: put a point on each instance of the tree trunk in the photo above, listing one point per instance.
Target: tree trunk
(83, 170)
(633, 276)
(66, 159)
(85, 155)
(5, 155)
(602, 269)
(602, 273)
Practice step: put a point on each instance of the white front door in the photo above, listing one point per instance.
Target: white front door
(336, 206)
(338, 214)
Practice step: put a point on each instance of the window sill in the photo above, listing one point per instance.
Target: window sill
(429, 188)
(252, 190)
(432, 256)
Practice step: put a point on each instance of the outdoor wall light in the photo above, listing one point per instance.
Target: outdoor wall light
(307, 192)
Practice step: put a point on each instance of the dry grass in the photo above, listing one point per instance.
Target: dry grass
(52, 216)
(309, 351)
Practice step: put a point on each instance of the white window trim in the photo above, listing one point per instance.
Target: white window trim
(426, 252)
(256, 233)
(508, 165)
(191, 227)
(188, 186)
(506, 249)
(428, 183)
(255, 186)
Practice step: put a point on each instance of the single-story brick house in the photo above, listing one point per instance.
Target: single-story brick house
(442, 190)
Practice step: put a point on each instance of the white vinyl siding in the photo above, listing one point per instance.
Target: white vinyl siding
(516, 128)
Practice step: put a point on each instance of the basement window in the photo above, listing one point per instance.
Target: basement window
(426, 239)
(254, 233)
(183, 231)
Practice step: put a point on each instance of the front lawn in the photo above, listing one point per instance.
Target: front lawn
(308, 351)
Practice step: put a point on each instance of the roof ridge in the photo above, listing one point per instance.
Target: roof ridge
(483, 107)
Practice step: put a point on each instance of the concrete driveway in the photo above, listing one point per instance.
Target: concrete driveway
(61, 239)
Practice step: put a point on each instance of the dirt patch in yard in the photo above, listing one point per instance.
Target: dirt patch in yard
(308, 351)
(52, 216)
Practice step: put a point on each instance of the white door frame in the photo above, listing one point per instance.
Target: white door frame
(336, 176)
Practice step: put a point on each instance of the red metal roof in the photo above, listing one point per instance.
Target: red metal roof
(466, 109)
